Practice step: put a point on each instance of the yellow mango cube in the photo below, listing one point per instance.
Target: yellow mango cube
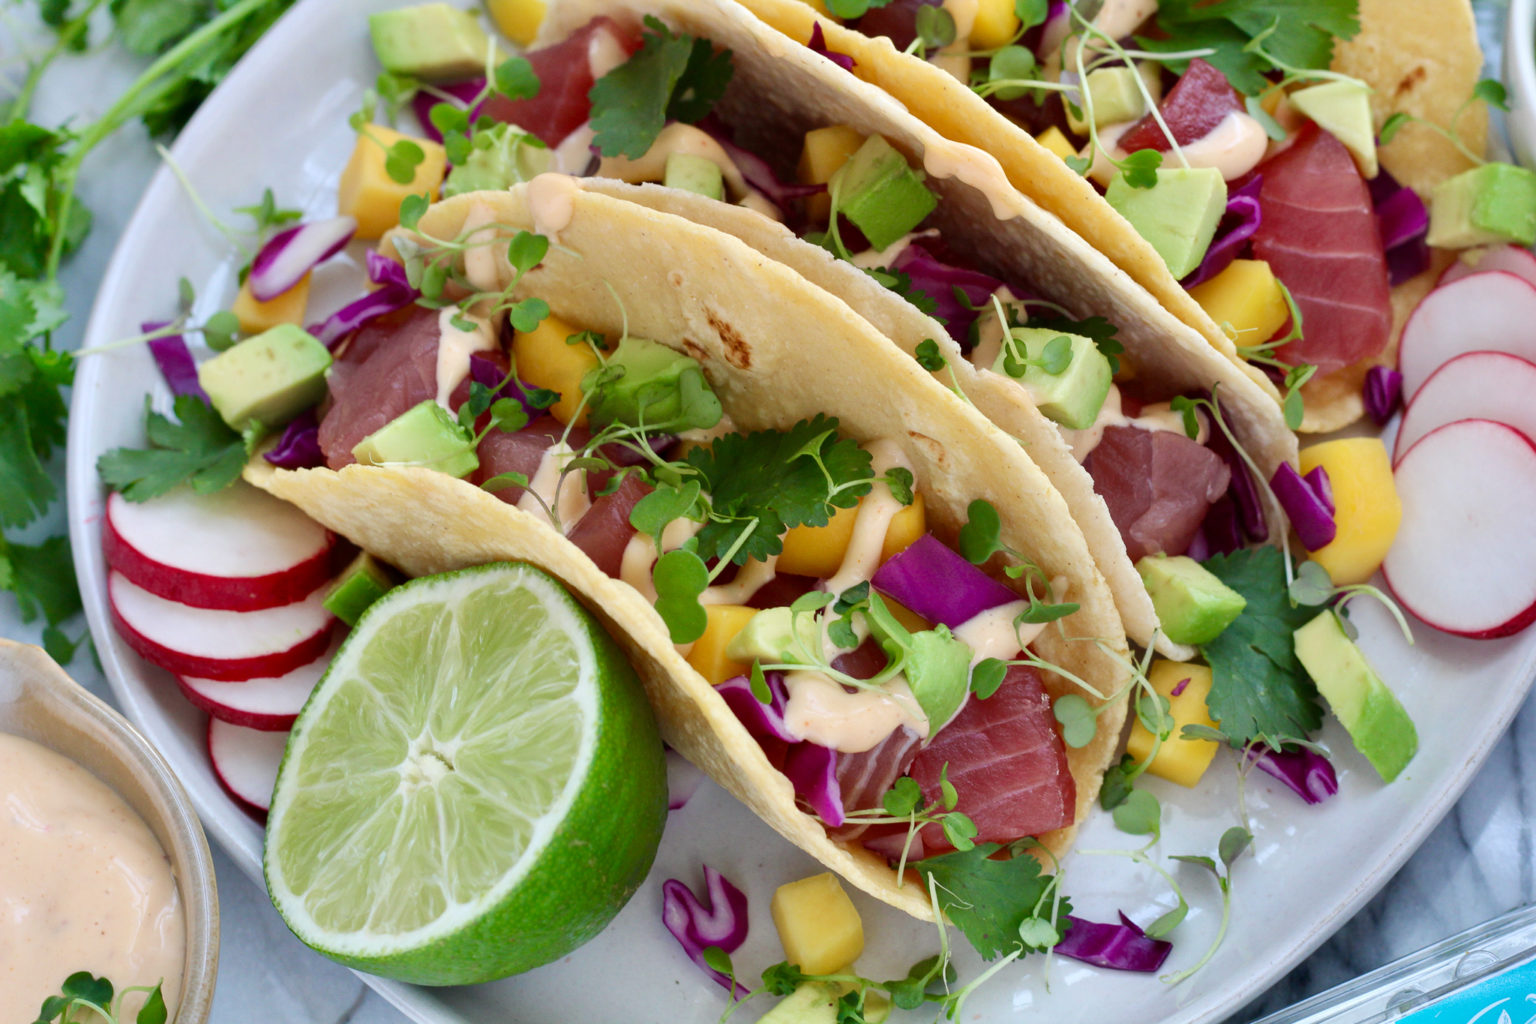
(256, 316)
(367, 192)
(544, 359)
(518, 20)
(826, 149)
(1055, 140)
(707, 655)
(996, 22)
(819, 550)
(906, 526)
(1367, 510)
(1246, 300)
(906, 616)
(1178, 760)
(818, 924)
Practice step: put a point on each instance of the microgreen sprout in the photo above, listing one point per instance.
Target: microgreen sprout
(84, 998)
(1234, 841)
(903, 804)
(1314, 587)
(1488, 90)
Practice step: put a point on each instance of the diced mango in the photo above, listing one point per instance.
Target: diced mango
(256, 316)
(1246, 297)
(1055, 140)
(367, 192)
(707, 655)
(819, 550)
(906, 616)
(818, 924)
(1366, 507)
(996, 22)
(1178, 759)
(545, 360)
(518, 20)
(826, 149)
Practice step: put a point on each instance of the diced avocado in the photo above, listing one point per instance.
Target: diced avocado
(645, 383)
(503, 155)
(770, 636)
(268, 379)
(432, 41)
(1178, 215)
(1116, 97)
(1072, 397)
(1488, 204)
(813, 1002)
(1192, 605)
(424, 435)
(1368, 710)
(693, 173)
(363, 582)
(1343, 109)
(880, 194)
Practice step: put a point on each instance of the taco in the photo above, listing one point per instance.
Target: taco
(947, 233)
(1419, 58)
(791, 410)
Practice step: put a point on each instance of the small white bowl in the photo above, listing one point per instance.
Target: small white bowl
(1520, 78)
(39, 702)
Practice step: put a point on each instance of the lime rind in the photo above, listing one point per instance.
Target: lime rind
(459, 873)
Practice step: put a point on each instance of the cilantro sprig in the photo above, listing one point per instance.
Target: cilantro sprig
(672, 77)
(197, 448)
(1298, 33)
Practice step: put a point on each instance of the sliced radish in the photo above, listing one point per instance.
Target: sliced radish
(246, 762)
(239, 549)
(267, 704)
(1509, 258)
(1478, 385)
(212, 644)
(1464, 559)
(1489, 311)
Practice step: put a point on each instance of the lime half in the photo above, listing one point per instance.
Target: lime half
(475, 787)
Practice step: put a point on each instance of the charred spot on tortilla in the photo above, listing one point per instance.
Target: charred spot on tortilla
(737, 351)
(1410, 81)
(695, 350)
(934, 449)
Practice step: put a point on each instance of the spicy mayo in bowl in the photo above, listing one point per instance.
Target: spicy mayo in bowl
(103, 865)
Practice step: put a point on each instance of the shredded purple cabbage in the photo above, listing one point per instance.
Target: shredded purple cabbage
(1322, 486)
(938, 584)
(350, 317)
(722, 923)
(1244, 492)
(1238, 224)
(1383, 393)
(299, 447)
(1305, 772)
(940, 281)
(1403, 223)
(763, 721)
(385, 271)
(423, 102)
(812, 769)
(1306, 510)
(818, 44)
(1220, 532)
(1121, 947)
(293, 252)
(175, 361)
(683, 778)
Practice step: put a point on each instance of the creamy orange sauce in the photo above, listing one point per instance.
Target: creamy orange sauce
(83, 886)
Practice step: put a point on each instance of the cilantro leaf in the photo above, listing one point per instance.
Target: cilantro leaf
(1297, 33)
(674, 77)
(42, 577)
(1258, 687)
(779, 479)
(990, 900)
(200, 450)
(32, 414)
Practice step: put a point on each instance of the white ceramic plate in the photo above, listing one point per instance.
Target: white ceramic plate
(280, 121)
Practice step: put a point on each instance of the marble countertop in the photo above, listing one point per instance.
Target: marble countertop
(1479, 863)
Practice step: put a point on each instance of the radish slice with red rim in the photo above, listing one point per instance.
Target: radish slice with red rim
(1509, 258)
(1489, 311)
(1477, 385)
(246, 762)
(294, 252)
(1464, 560)
(270, 704)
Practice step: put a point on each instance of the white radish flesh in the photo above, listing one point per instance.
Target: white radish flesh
(1491, 311)
(1478, 385)
(246, 761)
(238, 549)
(1509, 258)
(269, 704)
(1464, 560)
(216, 644)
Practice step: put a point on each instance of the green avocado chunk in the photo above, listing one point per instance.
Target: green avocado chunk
(1178, 215)
(431, 41)
(812, 1002)
(1343, 109)
(645, 383)
(1192, 605)
(363, 582)
(1368, 710)
(770, 636)
(1072, 397)
(880, 194)
(423, 435)
(503, 155)
(1486, 205)
(693, 173)
(268, 379)
(1116, 97)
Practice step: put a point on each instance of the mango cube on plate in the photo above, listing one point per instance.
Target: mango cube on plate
(818, 924)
